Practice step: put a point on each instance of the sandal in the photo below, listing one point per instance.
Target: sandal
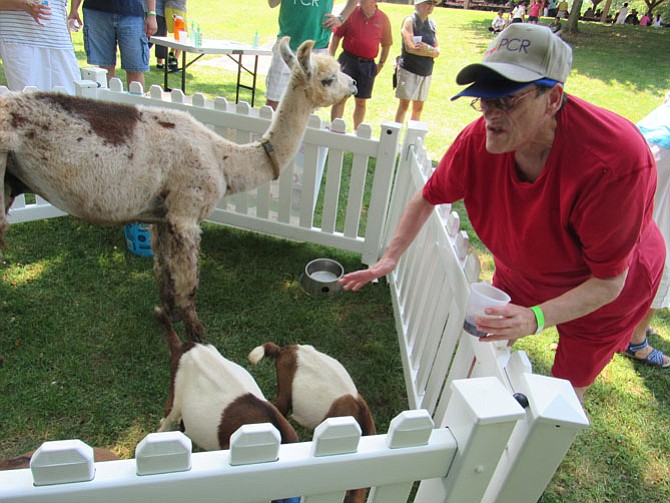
(656, 358)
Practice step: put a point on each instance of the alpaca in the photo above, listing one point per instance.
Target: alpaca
(315, 386)
(113, 164)
(212, 397)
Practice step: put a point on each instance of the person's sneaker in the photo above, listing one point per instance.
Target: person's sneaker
(160, 66)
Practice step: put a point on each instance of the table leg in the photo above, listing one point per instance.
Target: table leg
(165, 72)
(183, 72)
(239, 76)
(253, 85)
(253, 73)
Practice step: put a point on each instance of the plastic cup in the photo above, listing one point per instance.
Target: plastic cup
(482, 296)
(417, 39)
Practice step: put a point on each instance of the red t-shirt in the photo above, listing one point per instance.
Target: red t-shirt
(362, 35)
(534, 9)
(588, 213)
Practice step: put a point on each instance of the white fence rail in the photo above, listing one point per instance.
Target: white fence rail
(466, 436)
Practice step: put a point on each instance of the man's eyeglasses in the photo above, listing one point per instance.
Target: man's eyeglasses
(506, 103)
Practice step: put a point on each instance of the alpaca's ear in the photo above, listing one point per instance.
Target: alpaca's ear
(286, 52)
(304, 55)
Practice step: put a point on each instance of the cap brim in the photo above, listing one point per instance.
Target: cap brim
(491, 89)
(494, 86)
(479, 71)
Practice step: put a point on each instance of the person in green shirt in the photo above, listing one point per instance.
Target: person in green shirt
(301, 20)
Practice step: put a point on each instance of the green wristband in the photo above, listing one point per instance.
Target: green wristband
(539, 317)
(151, 13)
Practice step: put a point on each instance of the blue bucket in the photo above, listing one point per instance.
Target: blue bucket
(138, 239)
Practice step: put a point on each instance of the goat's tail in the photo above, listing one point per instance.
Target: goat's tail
(269, 349)
(171, 337)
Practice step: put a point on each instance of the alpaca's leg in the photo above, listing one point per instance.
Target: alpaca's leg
(4, 198)
(182, 248)
(159, 246)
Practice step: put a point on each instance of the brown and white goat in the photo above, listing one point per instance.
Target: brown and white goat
(212, 397)
(315, 386)
(112, 164)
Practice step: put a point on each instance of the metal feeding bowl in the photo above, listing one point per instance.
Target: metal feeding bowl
(320, 277)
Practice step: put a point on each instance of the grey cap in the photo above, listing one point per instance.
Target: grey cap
(521, 54)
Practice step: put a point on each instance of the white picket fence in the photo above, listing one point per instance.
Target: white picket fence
(465, 436)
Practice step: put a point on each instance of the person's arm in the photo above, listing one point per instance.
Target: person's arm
(434, 50)
(150, 24)
(333, 21)
(74, 11)
(386, 43)
(517, 321)
(36, 10)
(333, 45)
(412, 220)
(421, 48)
(383, 57)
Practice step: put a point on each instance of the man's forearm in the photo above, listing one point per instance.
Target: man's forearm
(591, 295)
(412, 220)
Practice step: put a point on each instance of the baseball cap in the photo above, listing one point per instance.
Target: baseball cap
(522, 54)
(417, 2)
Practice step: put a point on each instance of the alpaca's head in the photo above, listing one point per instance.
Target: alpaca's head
(319, 75)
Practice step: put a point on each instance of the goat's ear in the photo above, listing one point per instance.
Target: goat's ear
(304, 55)
(286, 52)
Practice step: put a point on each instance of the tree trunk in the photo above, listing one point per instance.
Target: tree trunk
(574, 17)
(606, 10)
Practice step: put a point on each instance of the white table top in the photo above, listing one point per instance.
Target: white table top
(209, 46)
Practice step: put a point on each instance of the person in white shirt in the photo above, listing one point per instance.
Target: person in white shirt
(519, 13)
(621, 18)
(35, 45)
(499, 23)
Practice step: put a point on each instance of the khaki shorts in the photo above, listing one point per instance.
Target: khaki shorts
(412, 86)
(279, 73)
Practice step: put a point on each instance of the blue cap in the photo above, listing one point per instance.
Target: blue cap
(497, 87)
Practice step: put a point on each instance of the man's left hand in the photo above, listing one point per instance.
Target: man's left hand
(150, 25)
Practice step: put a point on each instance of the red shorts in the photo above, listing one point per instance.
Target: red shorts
(586, 345)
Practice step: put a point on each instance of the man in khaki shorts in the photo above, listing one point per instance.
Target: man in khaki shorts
(415, 68)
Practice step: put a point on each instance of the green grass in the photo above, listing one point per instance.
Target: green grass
(84, 357)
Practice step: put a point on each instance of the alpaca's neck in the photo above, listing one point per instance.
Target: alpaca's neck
(289, 123)
(284, 135)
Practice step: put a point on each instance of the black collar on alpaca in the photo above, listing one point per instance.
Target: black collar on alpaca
(270, 151)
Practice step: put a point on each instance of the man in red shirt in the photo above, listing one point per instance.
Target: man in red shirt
(363, 32)
(567, 217)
